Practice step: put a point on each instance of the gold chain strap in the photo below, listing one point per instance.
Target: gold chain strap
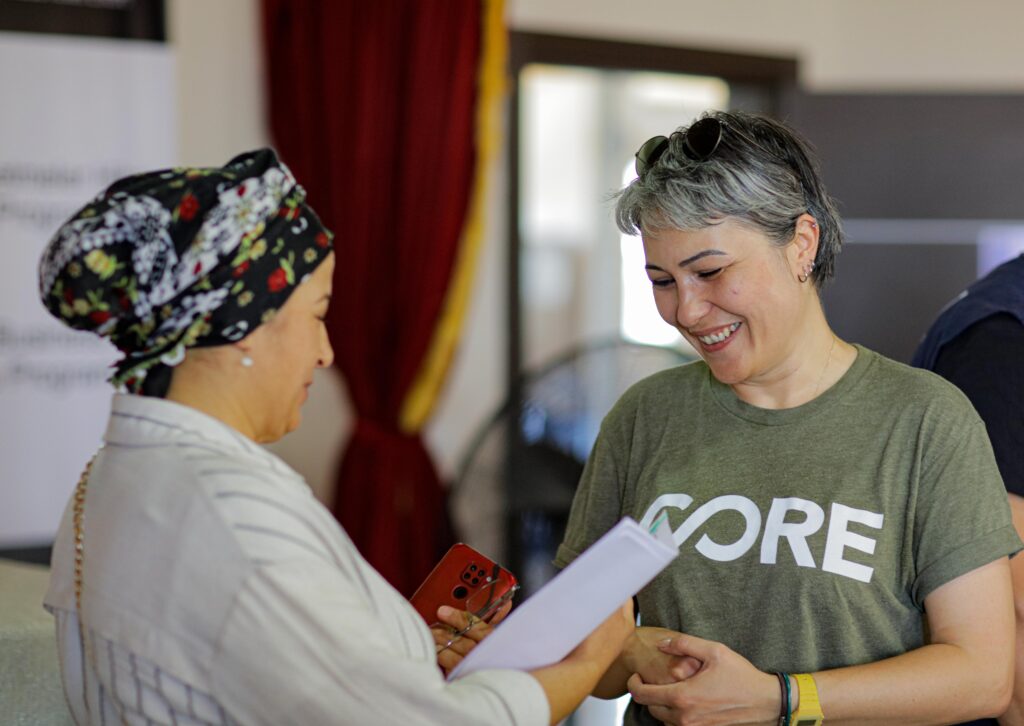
(78, 512)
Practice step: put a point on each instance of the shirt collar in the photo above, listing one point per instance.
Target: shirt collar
(143, 420)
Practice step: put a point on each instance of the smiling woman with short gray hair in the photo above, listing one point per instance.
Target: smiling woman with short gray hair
(825, 500)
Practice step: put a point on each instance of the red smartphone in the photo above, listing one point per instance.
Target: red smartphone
(465, 580)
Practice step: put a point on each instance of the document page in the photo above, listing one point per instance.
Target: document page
(557, 618)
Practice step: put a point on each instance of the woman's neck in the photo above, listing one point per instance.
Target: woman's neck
(816, 362)
(197, 384)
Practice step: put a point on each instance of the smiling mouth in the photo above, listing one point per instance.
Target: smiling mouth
(719, 336)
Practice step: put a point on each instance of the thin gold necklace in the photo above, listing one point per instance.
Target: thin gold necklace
(821, 376)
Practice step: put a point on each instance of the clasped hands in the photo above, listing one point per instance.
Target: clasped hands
(683, 679)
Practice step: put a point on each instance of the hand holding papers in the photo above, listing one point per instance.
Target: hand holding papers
(545, 628)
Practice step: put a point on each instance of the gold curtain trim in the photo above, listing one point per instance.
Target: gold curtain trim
(423, 394)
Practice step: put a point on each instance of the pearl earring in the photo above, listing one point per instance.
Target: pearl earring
(247, 361)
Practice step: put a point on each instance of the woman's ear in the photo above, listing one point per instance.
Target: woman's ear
(248, 351)
(803, 250)
(243, 351)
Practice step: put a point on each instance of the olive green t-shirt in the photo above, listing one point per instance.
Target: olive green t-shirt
(808, 537)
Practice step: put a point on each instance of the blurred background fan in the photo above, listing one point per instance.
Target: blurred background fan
(520, 523)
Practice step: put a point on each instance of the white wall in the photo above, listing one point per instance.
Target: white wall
(842, 45)
(868, 45)
(220, 78)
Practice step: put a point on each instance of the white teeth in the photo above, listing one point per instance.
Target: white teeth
(719, 336)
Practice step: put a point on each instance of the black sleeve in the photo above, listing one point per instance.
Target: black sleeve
(986, 362)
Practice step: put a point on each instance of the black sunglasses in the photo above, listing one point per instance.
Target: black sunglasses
(700, 142)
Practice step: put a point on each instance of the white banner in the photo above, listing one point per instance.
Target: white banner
(77, 114)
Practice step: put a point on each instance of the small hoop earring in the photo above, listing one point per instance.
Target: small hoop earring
(806, 275)
(247, 361)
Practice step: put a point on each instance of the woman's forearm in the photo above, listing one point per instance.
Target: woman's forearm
(934, 684)
(569, 681)
(966, 672)
(1014, 715)
(566, 684)
(613, 683)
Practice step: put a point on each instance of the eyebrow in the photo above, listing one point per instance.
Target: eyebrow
(690, 260)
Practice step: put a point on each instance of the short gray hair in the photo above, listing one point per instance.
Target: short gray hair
(768, 184)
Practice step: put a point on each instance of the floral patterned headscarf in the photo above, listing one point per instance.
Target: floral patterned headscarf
(180, 258)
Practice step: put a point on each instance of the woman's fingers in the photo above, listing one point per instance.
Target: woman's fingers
(504, 610)
(460, 641)
(457, 632)
(448, 659)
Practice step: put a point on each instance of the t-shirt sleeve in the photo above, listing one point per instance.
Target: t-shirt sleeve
(597, 505)
(962, 519)
(986, 362)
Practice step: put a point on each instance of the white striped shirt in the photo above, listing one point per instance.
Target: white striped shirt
(217, 590)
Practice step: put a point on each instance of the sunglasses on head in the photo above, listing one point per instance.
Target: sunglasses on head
(700, 142)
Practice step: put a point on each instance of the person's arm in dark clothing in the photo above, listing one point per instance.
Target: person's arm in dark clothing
(986, 362)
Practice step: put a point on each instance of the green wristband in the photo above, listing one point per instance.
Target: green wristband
(786, 707)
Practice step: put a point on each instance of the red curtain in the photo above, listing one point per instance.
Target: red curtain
(372, 106)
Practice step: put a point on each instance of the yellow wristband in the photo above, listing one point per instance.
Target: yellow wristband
(808, 713)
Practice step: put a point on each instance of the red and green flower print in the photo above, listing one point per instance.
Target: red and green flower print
(178, 258)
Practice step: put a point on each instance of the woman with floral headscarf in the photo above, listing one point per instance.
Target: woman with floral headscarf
(195, 578)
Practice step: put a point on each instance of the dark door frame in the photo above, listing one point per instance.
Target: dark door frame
(775, 75)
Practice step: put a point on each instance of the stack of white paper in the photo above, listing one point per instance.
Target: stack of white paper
(545, 628)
